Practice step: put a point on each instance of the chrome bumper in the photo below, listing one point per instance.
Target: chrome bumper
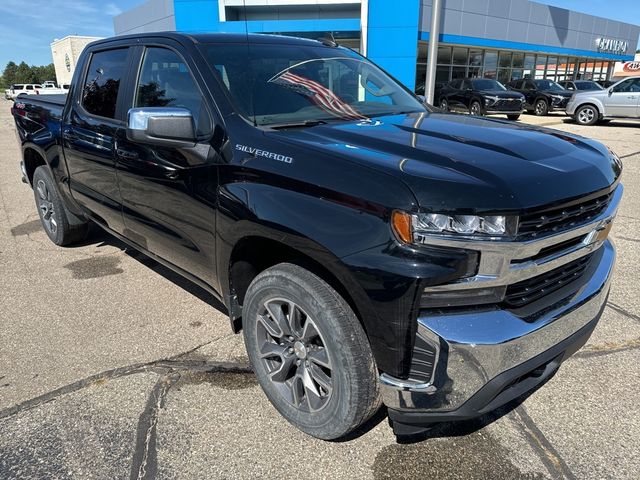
(474, 348)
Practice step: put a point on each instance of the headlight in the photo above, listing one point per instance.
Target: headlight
(559, 98)
(491, 99)
(416, 228)
(615, 158)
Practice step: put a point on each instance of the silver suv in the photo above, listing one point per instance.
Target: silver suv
(621, 100)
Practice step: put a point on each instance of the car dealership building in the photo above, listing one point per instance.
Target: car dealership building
(501, 39)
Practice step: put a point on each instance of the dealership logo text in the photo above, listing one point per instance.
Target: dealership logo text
(610, 45)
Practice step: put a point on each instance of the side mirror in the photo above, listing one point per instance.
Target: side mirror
(422, 98)
(163, 126)
(610, 90)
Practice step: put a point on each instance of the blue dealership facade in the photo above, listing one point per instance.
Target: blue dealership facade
(501, 39)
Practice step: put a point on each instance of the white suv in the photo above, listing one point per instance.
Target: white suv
(620, 100)
(18, 88)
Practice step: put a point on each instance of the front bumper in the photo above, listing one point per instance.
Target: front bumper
(484, 359)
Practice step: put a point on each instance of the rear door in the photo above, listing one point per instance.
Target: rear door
(622, 100)
(169, 194)
(89, 131)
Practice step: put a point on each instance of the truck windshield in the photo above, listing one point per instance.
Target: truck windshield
(274, 84)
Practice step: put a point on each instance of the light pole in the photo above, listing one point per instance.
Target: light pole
(434, 34)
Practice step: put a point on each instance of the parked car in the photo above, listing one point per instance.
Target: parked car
(368, 246)
(580, 85)
(50, 88)
(607, 83)
(541, 96)
(621, 100)
(19, 88)
(480, 96)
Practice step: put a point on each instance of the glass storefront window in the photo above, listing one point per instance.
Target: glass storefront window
(504, 75)
(562, 68)
(475, 72)
(444, 55)
(475, 57)
(458, 72)
(490, 64)
(421, 78)
(517, 74)
(541, 64)
(571, 68)
(460, 56)
(442, 73)
(552, 66)
(518, 60)
(505, 60)
(529, 66)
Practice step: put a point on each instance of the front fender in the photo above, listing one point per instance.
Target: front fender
(354, 242)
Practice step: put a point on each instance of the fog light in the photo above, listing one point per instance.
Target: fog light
(461, 298)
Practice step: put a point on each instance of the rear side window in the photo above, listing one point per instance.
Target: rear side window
(29, 87)
(102, 83)
(165, 81)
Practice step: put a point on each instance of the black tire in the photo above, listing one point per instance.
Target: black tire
(541, 107)
(475, 108)
(586, 115)
(513, 117)
(444, 104)
(53, 214)
(352, 395)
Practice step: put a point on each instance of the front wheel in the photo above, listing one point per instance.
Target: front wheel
(309, 352)
(475, 108)
(513, 117)
(444, 105)
(586, 115)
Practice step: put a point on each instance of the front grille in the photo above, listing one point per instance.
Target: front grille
(514, 105)
(563, 218)
(528, 291)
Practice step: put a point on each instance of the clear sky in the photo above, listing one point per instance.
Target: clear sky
(27, 27)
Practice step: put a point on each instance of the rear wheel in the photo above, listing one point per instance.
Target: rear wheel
(541, 107)
(514, 117)
(475, 108)
(586, 115)
(309, 352)
(52, 212)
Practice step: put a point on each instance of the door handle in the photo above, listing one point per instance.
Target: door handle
(126, 154)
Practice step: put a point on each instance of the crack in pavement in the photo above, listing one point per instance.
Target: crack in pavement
(623, 311)
(607, 348)
(629, 155)
(629, 239)
(163, 366)
(549, 456)
(145, 457)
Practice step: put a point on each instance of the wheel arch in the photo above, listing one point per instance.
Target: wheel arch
(253, 254)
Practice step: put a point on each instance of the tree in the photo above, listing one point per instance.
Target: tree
(24, 74)
(44, 73)
(9, 73)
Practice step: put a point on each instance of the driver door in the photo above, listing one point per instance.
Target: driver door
(168, 192)
(622, 100)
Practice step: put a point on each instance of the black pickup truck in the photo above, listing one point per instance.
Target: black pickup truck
(371, 248)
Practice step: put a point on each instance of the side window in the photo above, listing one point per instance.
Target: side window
(455, 84)
(630, 85)
(102, 83)
(530, 85)
(29, 87)
(165, 81)
(466, 85)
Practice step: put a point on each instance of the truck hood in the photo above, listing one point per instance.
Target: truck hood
(459, 162)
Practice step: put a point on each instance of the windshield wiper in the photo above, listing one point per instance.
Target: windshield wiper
(306, 123)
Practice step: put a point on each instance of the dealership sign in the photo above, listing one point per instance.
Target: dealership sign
(611, 46)
(631, 66)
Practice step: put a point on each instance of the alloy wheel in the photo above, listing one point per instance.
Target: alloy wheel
(444, 105)
(540, 107)
(47, 210)
(294, 355)
(475, 109)
(586, 115)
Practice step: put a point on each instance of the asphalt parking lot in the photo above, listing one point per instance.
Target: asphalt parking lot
(111, 366)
